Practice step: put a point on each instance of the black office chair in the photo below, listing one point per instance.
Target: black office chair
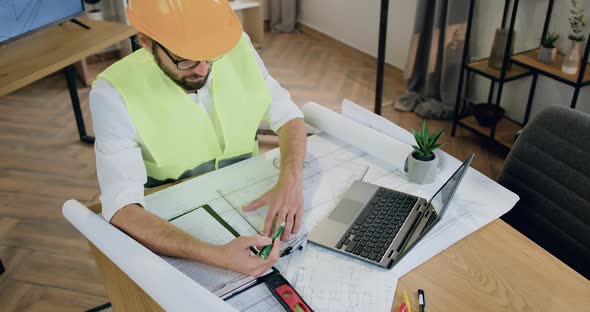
(549, 168)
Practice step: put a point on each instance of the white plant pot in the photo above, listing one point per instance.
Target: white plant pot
(422, 172)
(547, 55)
(95, 14)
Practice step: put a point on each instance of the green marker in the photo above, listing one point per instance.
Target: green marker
(266, 250)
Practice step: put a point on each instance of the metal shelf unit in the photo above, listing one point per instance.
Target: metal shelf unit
(522, 65)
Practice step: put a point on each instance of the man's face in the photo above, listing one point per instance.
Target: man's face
(191, 80)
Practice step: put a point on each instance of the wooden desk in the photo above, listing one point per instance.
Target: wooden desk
(124, 294)
(495, 269)
(54, 48)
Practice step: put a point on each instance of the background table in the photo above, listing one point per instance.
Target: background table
(252, 19)
(495, 269)
(55, 48)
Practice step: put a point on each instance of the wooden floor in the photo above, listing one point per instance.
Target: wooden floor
(42, 164)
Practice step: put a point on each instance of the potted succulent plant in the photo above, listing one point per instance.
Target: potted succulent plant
(423, 161)
(548, 51)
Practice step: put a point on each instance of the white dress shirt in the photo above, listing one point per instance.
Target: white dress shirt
(118, 146)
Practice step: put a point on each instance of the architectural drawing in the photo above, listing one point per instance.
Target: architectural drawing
(256, 299)
(331, 167)
(330, 281)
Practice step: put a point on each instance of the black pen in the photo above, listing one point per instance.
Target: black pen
(421, 300)
(298, 244)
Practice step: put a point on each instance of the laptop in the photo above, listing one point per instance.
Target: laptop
(381, 225)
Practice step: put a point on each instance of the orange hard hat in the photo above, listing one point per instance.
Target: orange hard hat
(197, 30)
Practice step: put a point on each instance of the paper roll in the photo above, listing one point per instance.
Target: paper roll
(368, 140)
(170, 288)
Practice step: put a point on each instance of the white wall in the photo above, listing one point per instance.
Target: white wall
(356, 23)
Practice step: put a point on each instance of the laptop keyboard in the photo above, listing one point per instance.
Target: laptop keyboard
(431, 219)
(375, 228)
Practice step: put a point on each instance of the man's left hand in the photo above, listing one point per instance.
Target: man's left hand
(285, 203)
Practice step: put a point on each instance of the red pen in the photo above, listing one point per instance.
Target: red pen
(405, 306)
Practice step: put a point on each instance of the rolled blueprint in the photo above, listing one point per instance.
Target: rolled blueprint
(170, 288)
(370, 141)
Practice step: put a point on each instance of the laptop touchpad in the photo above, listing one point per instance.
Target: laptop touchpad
(346, 211)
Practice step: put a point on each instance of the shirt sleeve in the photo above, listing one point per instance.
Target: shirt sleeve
(281, 109)
(119, 163)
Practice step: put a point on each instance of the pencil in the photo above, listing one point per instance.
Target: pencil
(266, 250)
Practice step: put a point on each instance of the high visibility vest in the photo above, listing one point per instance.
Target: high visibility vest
(180, 138)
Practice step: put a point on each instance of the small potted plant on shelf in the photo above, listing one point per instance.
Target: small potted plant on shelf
(423, 161)
(548, 51)
(577, 20)
(94, 13)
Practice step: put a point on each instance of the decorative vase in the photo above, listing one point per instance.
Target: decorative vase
(547, 55)
(496, 59)
(419, 171)
(571, 62)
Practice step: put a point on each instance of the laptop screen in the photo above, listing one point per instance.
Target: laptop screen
(441, 199)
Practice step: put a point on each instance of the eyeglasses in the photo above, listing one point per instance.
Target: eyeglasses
(184, 64)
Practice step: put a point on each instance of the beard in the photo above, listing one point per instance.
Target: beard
(190, 82)
(187, 82)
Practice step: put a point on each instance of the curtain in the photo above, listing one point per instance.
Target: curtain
(434, 60)
(283, 15)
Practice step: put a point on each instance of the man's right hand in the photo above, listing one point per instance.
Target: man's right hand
(236, 255)
(164, 238)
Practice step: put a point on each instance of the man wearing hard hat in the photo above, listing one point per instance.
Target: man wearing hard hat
(187, 103)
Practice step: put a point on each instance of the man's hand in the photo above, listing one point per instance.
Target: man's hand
(285, 204)
(285, 200)
(164, 238)
(236, 255)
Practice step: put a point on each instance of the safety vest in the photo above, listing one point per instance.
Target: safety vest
(180, 138)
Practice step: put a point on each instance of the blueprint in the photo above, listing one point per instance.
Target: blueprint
(21, 16)
(256, 299)
(329, 281)
(200, 224)
(168, 286)
(331, 167)
(326, 176)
